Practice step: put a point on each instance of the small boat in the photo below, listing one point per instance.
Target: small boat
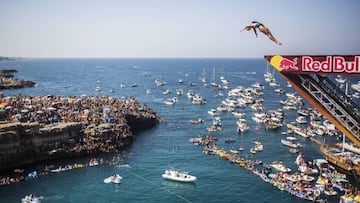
(279, 90)
(212, 112)
(241, 148)
(234, 151)
(293, 150)
(301, 120)
(290, 141)
(212, 128)
(183, 176)
(179, 91)
(170, 101)
(242, 126)
(258, 147)
(252, 150)
(115, 178)
(197, 121)
(30, 199)
(238, 114)
(280, 167)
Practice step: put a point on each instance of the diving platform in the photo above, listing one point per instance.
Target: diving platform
(308, 75)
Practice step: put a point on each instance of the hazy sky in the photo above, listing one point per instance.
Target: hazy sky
(176, 28)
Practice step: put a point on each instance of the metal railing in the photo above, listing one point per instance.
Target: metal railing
(322, 94)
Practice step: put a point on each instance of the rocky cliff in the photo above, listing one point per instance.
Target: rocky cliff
(27, 143)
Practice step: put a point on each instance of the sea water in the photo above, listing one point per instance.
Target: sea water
(166, 145)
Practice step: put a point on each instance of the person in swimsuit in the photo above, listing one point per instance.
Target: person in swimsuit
(262, 28)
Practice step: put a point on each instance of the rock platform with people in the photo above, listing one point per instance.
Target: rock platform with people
(40, 128)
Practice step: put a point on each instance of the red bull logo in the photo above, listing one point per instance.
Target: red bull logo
(289, 65)
(346, 64)
(284, 64)
(331, 64)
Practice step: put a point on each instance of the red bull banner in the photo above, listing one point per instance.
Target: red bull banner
(333, 64)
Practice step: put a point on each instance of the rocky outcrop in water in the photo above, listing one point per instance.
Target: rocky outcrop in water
(7, 80)
(35, 129)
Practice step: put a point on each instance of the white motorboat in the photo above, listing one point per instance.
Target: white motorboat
(238, 114)
(30, 199)
(183, 176)
(280, 167)
(290, 141)
(167, 91)
(148, 91)
(115, 178)
(212, 112)
(242, 126)
(301, 120)
(279, 90)
(197, 99)
(302, 132)
(170, 101)
(258, 146)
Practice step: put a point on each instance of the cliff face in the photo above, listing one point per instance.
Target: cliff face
(26, 143)
(138, 123)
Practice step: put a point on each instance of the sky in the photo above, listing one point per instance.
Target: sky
(176, 28)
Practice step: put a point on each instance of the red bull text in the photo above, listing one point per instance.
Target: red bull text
(317, 64)
(332, 64)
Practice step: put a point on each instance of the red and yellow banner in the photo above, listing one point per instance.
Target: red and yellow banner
(324, 64)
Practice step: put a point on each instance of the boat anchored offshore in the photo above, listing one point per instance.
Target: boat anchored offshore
(115, 178)
(183, 176)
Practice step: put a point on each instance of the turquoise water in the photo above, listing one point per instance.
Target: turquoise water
(167, 144)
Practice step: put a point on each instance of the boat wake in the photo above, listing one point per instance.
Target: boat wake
(52, 198)
(124, 166)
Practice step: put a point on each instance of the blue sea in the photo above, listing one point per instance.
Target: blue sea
(166, 145)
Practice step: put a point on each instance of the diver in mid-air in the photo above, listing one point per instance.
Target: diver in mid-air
(262, 28)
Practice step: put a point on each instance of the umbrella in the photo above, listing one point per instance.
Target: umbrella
(4, 104)
(105, 130)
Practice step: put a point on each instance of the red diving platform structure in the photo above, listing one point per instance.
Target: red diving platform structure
(308, 75)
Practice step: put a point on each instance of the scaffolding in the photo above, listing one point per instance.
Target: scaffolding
(321, 92)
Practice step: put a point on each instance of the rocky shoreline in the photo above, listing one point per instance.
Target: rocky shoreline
(7, 80)
(36, 129)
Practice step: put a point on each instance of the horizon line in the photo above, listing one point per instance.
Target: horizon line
(110, 57)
